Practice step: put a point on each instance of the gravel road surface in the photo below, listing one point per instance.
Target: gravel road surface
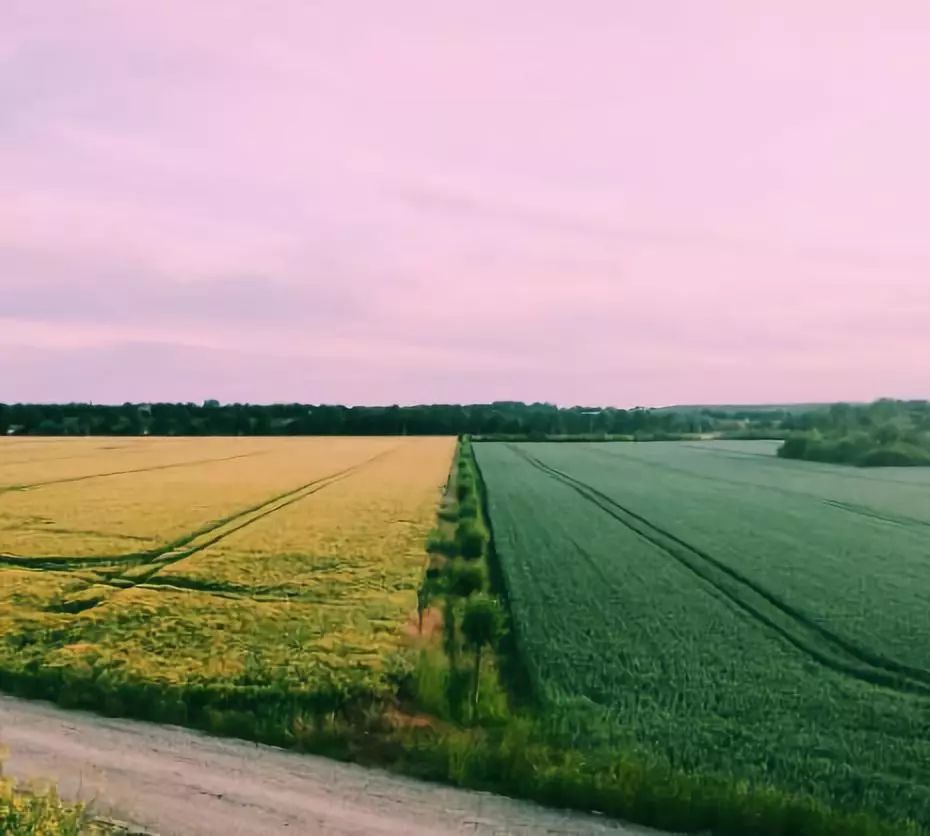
(170, 780)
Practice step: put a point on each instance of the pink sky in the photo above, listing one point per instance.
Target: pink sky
(374, 202)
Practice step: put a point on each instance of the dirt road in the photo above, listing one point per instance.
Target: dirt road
(175, 781)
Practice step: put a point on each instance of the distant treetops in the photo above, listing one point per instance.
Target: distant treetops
(882, 434)
(886, 432)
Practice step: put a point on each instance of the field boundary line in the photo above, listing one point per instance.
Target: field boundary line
(521, 664)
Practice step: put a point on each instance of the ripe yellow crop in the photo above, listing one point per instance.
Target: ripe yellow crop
(131, 496)
(260, 569)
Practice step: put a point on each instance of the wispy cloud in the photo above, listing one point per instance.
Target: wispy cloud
(414, 203)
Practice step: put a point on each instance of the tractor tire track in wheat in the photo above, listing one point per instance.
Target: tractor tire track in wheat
(799, 630)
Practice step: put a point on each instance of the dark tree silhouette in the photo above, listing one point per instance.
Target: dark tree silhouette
(481, 627)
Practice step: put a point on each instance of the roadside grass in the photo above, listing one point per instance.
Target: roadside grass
(30, 811)
(40, 811)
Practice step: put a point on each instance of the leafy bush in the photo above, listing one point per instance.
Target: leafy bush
(464, 488)
(794, 447)
(898, 455)
(883, 448)
(482, 622)
(469, 539)
(468, 509)
(462, 579)
(438, 543)
(448, 513)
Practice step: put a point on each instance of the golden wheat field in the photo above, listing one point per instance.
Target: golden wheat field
(92, 497)
(232, 567)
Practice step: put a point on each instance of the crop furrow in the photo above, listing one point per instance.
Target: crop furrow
(88, 476)
(230, 526)
(881, 670)
(862, 511)
(133, 558)
(57, 563)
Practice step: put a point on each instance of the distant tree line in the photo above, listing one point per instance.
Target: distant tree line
(504, 418)
(882, 433)
(886, 433)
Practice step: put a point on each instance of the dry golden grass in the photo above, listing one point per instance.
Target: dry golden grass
(179, 486)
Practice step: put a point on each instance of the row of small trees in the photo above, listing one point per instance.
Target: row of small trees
(472, 619)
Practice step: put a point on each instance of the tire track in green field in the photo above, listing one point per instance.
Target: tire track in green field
(880, 670)
(864, 511)
(726, 452)
(777, 489)
(697, 474)
(852, 508)
(840, 471)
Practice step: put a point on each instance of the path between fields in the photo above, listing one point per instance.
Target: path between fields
(174, 781)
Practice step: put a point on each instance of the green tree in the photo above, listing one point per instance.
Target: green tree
(469, 539)
(887, 434)
(482, 625)
(463, 578)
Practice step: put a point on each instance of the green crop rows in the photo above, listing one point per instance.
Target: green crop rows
(726, 611)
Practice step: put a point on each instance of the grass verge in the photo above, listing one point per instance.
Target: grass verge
(24, 811)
